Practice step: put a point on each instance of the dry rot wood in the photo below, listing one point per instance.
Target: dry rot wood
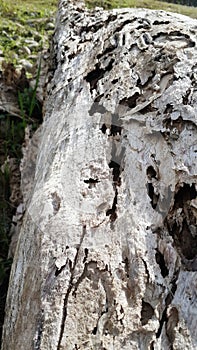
(106, 257)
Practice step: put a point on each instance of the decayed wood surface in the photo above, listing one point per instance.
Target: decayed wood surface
(106, 257)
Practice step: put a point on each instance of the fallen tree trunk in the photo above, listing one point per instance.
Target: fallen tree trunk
(106, 257)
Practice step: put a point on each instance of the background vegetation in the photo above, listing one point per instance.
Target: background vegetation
(151, 4)
(184, 2)
(22, 22)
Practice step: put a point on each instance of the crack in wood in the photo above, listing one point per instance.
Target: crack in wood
(70, 287)
(38, 337)
(168, 300)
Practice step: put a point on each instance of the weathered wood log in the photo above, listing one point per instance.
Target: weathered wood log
(106, 257)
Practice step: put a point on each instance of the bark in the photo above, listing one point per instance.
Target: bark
(106, 257)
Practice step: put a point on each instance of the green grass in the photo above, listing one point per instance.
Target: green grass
(21, 21)
(26, 8)
(151, 4)
(40, 8)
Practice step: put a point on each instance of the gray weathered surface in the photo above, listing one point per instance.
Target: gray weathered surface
(106, 257)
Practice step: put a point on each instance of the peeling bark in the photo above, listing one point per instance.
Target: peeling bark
(106, 257)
